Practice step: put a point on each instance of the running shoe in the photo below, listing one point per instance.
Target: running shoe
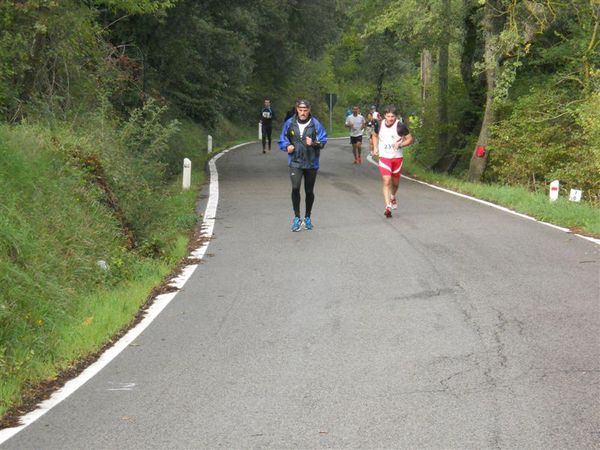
(394, 203)
(307, 223)
(296, 224)
(388, 212)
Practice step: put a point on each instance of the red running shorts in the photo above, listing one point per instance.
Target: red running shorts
(390, 167)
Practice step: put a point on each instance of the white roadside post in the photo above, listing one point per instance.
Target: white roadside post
(187, 174)
(259, 131)
(209, 145)
(575, 195)
(554, 190)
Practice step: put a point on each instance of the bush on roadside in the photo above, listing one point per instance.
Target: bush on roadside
(548, 136)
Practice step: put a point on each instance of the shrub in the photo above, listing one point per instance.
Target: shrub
(548, 136)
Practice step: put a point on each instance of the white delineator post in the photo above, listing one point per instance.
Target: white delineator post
(187, 174)
(554, 190)
(259, 131)
(575, 195)
(209, 145)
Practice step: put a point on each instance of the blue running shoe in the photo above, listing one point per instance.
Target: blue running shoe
(296, 224)
(307, 223)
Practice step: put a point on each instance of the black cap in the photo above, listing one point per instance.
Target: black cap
(302, 103)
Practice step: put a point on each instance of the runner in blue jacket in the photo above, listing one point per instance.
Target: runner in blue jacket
(303, 137)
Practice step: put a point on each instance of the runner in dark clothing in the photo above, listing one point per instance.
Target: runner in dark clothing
(266, 121)
(303, 137)
(290, 114)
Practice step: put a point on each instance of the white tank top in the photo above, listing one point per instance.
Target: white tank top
(388, 136)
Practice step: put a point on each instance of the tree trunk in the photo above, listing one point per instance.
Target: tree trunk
(471, 117)
(492, 25)
(478, 162)
(379, 88)
(591, 49)
(469, 45)
(426, 74)
(471, 51)
(35, 65)
(443, 57)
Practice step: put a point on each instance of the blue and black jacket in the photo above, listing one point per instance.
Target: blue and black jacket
(304, 156)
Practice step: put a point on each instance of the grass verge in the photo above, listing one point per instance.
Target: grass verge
(578, 217)
(55, 347)
(58, 308)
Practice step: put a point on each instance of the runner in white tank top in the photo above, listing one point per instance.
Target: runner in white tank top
(389, 138)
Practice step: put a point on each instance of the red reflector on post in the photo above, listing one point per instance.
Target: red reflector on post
(480, 151)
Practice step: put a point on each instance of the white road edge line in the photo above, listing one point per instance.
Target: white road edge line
(160, 302)
(493, 205)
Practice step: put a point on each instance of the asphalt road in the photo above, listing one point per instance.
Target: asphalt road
(450, 325)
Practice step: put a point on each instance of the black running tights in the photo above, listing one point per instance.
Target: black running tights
(310, 176)
(266, 135)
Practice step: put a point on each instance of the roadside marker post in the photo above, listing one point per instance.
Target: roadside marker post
(554, 190)
(330, 99)
(187, 174)
(209, 145)
(259, 131)
(575, 195)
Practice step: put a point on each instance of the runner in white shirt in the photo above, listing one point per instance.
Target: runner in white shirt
(356, 123)
(389, 137)
(376, 115)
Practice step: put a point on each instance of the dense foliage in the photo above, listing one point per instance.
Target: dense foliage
(520, 78)
(206, 59)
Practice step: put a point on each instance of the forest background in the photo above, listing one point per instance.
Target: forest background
(100, 100)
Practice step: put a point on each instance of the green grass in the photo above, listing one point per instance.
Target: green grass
(100, 316)
(56, 304)
(52, 231)
(579, 217)
(106, 312)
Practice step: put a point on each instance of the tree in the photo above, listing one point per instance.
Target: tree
(54, 55)
(492, 25)
(511, 29)
(136, 6)
(443, 61)
(425, 25)
(382, 55)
